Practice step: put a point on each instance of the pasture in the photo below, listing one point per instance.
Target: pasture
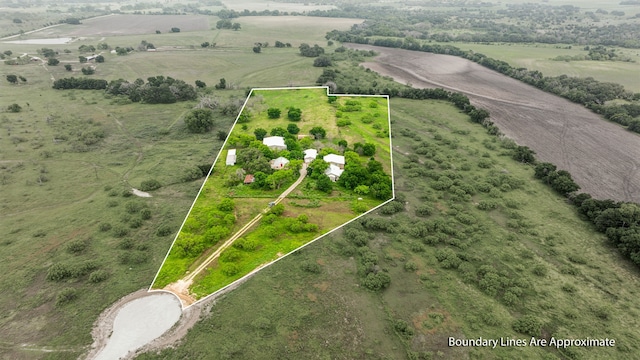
(69, 159)
(313, 303)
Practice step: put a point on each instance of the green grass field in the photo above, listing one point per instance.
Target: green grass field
(533, 244)
(69, 157)
(539, 57)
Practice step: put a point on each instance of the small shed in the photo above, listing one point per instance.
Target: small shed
(231, 157)
(310, 155)
(279, 163)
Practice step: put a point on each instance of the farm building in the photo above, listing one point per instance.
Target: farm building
(249, 179)
(275, 142)
(92, 57)
(231, 157)
(279, 163)
(302, 136)
(333, 159)
(310, 155)
(333, 172)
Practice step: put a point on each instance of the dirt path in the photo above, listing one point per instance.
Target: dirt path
(603, 157)
(181, 287)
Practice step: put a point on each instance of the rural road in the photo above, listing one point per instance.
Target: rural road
(181, 287)
(603, 157)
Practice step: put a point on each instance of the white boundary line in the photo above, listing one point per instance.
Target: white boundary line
(393, 190)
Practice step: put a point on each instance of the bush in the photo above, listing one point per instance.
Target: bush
(59, 272)
(199, 120)
(164, 230)
(120, 231)
(14, 108)
(294, 114)
(529, 325)
(424, 210)
(229, 269)
(311, 267)
(403, 328)
(149, 185)
(65, 296)
(98, 276)
(376, 281)
(104, 227)
(273, 113)
(76, 246)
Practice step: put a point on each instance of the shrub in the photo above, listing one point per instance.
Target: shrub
(120, 231)
(229, 269)
(59, 272)
(76, 246)
(145, 214)
(410, 266)
(294, 114)
(273, 113)
(133, 207)
(529, 325)
(66, 295)
(164, 230)
(149, 185)
(98, 276)
(135, 223)
(199, 120)
(104, 227)
(376, 281)
(402, 328)
(311, 267)
(424, 210)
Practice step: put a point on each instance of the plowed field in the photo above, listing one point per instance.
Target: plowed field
(602, 157)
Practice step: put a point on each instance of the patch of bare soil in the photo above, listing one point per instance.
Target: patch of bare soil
(603, 157)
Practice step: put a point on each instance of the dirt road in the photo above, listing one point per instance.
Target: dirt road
(603, 157)
(181, 287)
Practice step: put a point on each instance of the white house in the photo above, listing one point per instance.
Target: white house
(231, 157)
(310, 155)
(333, 172)
(279, 163)
(275, 142)
(333, 159)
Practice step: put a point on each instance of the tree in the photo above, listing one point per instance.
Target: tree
(103, 46)
(236, 26)
(8, 52)
(293, 129)
(279, 44)
(324, 184)
(53, 61)
(524, 154)
(278, 178)
(278, 131)
(17, 21)
(88, 71)
(158, 32)
(318, 132)
(201, 84)
(368, 149)
(257, 49)
(224, 24)
(308, 51)
(221, 135)
(22, 78)
(222, 84)
(273, 113)
(260, 133)
(205, 44)
(294, 114)
(12, 79)
(82, 59)
(99, 59)
(199, 120)
(322, 61)
(175, 30)
(14, 108)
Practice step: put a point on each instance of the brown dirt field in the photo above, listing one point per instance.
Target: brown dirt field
(603, 158)
(114, 25)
